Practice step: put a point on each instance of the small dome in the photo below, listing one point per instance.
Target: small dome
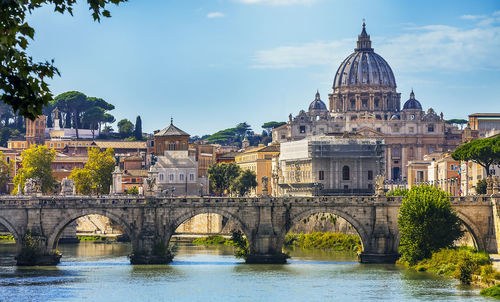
(412, 103)
(317, 104)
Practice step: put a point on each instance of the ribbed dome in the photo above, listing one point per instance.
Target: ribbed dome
(364, 67)
(412, 103)
(317, 104)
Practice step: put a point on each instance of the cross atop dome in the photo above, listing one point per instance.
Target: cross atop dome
(364, 42)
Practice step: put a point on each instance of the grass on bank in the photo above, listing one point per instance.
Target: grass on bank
(324, 241)
(493, 291)
(95, 238)
(7, 237)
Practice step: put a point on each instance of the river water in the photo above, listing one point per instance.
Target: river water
(101, 272)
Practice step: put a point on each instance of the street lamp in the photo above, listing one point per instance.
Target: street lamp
(172, 191)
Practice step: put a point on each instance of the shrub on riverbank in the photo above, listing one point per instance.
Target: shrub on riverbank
(493, 291)
(95, 238)
(210, 240)
(326, 240)
(7, 237)
(461, 263)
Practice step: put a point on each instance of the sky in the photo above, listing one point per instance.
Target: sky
(211, 64)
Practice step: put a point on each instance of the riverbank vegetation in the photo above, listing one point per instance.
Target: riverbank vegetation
(323, 240)
(238, 241)
(211, 240)
(493, 291)
(7, 237)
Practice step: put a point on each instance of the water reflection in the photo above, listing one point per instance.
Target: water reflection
(101, 272)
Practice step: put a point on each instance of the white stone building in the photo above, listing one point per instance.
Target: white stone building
(329, 165)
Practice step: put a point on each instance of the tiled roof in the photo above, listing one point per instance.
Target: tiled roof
(120, 145)
(171, 130)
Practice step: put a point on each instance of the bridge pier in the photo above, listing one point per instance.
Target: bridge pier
(378, 258)
(265, 249)
(150, 248)
(33, 251)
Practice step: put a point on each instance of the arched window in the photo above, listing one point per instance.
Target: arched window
(345, 173)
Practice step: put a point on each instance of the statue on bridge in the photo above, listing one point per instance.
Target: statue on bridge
(32, 185)
(379, 185)
(67, 186)
(264, 181)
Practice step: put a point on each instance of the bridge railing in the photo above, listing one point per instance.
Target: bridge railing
(144, 201)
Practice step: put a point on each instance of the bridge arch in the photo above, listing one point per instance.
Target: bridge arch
(183, 217)
(57, 231)
(11, 228)
(363, 235)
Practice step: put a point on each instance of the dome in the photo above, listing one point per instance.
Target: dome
(412, 103)
(364, 67)
(317, 104)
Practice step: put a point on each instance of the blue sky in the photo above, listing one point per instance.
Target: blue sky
(213, 64)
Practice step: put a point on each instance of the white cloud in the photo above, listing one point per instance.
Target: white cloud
(277, 2)
(213, 15)
(425, 48)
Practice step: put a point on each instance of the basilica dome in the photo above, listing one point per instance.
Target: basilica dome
(317, 104)
(412, 103)
(364, 67)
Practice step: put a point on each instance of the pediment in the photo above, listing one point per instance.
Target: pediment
(369, 132)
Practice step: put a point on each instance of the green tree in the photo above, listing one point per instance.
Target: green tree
(36, 163)
(94, 116)
(125, 127)
(5, 170)
(138, 128)
(484, 152)
(222, 175)
(426, 223)
(481, 186)
(269, 126)
(96, 175)
(73, 103)
(245, 181)
(458, 122)
(23, 83)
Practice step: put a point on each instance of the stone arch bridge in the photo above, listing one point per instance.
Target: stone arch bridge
(150, 221)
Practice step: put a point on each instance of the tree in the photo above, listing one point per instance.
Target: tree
(245, 181)
(484, 152)
(222, 175)
(23, 83)
(96, 175)
(269, 126)
(36, 163)
(125, 127)
(73, 103)
(426, 223)
(138, 128)
(94, 116)
(458, 122)
(481, 186)
(5, 170)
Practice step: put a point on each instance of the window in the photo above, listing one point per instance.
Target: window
(364, 103)
(152, 143)
(370, 187)
(171, 177)
(8, 159)
(161, 177)
(302, 129)
(321, 175)
(354, 129)
(346, 187)
(376, 102)
(181, 177)
(353, 103)
(370, 175)
(395, 152)
(283, 136)
(191, 177)
(411, 129)
(345, 173)
(379, 130)
(430, 128)
(133, 180)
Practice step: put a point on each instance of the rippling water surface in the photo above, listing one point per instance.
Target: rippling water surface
(101, 272)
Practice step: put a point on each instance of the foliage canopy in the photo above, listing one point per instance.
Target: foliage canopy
(484, 152)
(96, 175)
(426, 223)
(37, 164)
(23, 83)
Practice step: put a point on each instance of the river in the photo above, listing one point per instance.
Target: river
(101, 272)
